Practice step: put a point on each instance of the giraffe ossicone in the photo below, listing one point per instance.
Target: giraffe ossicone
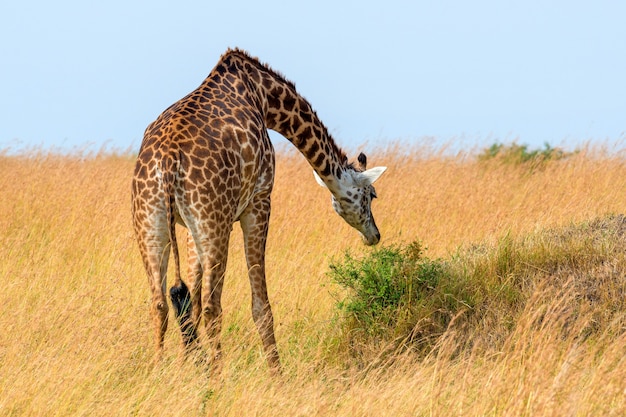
(207, 162)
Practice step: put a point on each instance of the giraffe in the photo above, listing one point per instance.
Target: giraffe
(207, 162)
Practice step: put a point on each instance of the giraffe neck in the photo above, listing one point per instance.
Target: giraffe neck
(291, 115)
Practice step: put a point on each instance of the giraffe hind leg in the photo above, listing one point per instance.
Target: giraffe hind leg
(155, 259)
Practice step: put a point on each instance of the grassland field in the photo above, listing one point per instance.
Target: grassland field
(75, 333)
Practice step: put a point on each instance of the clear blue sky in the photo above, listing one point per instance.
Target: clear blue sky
(81, 73)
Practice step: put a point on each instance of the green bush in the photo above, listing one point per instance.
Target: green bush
(387, 290)
(515, 154)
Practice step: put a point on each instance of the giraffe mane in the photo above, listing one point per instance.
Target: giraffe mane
(257, 62)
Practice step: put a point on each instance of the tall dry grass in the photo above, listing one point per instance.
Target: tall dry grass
(76, 338)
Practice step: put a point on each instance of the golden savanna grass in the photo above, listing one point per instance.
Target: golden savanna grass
(76, 337)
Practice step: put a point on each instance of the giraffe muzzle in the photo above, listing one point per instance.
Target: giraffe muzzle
(372, 239)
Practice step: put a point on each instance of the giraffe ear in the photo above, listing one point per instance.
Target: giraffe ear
(319, 180)
(371, 175)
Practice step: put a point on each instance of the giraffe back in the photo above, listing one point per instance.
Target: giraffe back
(217, 136)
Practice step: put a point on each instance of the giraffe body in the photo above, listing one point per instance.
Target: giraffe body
(207, 162)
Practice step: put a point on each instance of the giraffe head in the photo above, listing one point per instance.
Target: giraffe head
(353, 198)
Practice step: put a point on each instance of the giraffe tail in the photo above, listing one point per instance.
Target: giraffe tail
(179, 293)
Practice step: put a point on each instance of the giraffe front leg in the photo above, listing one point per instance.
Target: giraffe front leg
(254, 224)
(263, 317)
